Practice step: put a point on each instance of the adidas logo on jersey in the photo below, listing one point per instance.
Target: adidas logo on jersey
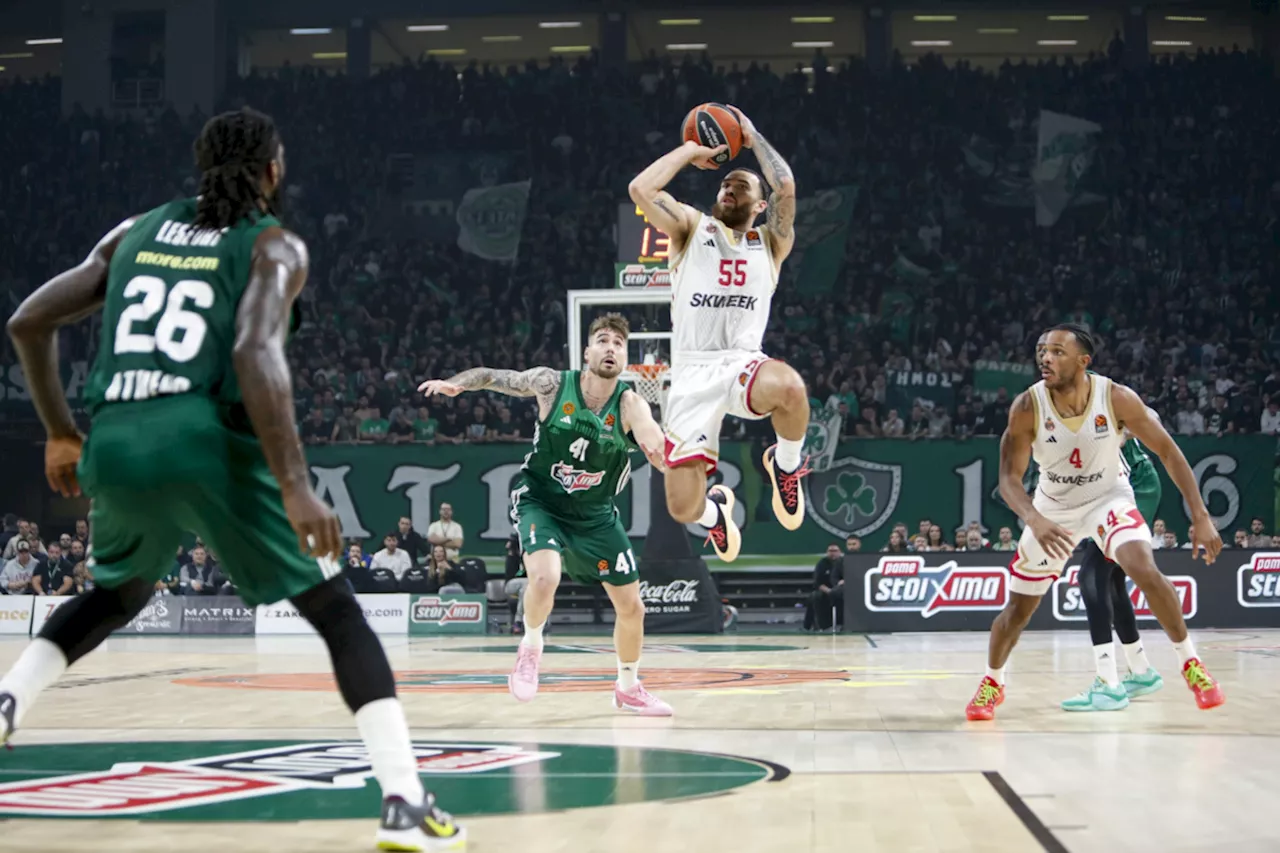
(711, 244)
(566, 420)
(1053, 439)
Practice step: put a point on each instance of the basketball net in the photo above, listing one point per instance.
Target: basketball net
(651, 381)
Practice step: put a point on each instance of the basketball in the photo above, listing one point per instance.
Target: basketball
(713, 125)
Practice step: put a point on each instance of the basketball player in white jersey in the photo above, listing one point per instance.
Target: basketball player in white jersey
(1073, 423)
(724, 270)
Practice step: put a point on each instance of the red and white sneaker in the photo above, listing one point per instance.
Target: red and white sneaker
(523, 680)
(640, 701)
(983, 704)
(788, 497)
(1208, 692)
(724, 535)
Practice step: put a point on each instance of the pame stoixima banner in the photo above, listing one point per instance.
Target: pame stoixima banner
(448, 614)
(956, 591)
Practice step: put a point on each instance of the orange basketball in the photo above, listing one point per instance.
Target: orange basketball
(714, 125)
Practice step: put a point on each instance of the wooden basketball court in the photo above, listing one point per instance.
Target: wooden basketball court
(780, 743)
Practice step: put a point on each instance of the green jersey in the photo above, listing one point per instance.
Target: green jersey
(169, 320)
(1141, 470)
(580, 460)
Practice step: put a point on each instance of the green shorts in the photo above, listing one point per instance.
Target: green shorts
(1146, 491)
(590, 551)
(155, 470)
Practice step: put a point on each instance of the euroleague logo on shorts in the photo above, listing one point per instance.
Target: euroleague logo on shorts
(1258, 581)
(1068, 604)
(906, 584)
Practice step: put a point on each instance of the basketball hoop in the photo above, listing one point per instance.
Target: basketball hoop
(651, 381)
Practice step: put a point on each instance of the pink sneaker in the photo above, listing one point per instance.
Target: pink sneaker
(523, 680)
(640, 701)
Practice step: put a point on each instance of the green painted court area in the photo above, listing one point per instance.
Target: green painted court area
(184, 781)
(607, 649)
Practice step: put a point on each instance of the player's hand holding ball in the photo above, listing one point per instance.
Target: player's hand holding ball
(715, 130)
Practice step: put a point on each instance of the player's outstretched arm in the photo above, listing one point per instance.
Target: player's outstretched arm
(66, 298)
(1015, 456)
(33, 328)
(780, 216)
(647, 189)
(277, 275)
(540, 382)
(1135, 417)
(637, 419)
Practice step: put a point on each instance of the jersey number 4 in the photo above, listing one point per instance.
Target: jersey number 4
(179, 332)
(1074, 459)
(733, 273)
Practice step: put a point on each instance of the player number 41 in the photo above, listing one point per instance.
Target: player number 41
(733, 273)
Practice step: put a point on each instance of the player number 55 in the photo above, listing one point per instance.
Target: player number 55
(733, 273)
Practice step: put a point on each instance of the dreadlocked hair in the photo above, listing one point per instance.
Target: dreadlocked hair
(232, 153)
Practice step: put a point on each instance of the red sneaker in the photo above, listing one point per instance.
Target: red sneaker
(983, 704)
(1208, 692)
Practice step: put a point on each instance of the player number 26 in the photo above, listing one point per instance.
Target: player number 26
(733, 273)
(179, 332)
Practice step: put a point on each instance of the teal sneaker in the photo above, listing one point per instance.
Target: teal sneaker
(1099, 697)
(1141, 683)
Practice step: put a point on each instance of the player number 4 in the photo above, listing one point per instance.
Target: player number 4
(578, 450)
(733, 273)
(179, 332)
(1075, 459)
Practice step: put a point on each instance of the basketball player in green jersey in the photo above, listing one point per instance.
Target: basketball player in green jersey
(1107, 603)
(563, 502)
(192, 429)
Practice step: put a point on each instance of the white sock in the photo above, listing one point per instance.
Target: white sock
(710, 514)
(533, 636)
(40, 665)
(386, 735)
(1186, 650)
(996, 675)
(788, 453)
(1104, 654)
(1137, 657)
(628, 674)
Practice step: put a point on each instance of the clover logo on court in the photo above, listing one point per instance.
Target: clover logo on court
(853, 496)
(849, 494)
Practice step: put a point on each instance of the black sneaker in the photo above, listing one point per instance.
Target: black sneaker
(724, 535)
(788, 496)
(418, 829)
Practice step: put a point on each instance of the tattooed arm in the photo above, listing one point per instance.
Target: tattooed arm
(540, 382)
(780, 216)
(646, 189)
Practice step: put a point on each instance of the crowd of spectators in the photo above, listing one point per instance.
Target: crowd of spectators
(1174, 268)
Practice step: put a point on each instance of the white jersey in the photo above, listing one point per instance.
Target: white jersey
(1079, 457)
(721, 291)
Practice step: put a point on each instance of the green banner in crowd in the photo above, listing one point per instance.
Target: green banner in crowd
(862, 487)
(930, 388)
(448, 614)
(822, 229)
(1013, 376)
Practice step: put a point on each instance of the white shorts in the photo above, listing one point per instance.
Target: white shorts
(1110, 522)
(701, 394)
